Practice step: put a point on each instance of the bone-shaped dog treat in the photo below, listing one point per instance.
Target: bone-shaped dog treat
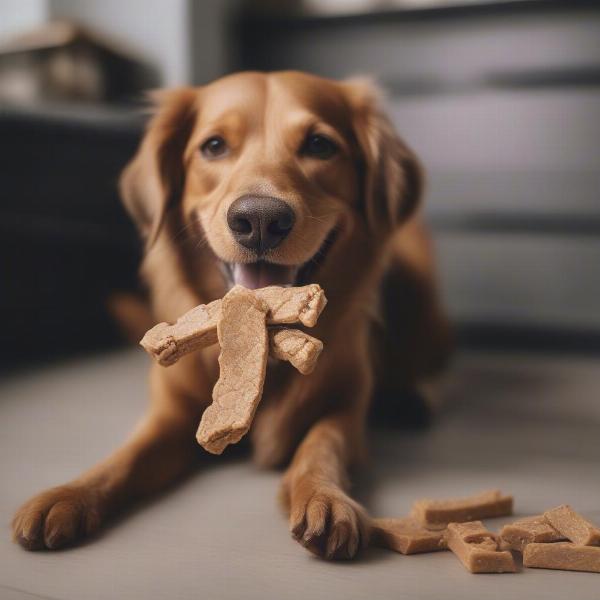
(239, 323)
(198, 327)
(477, 548)
(436, 514)
(243, 361)
(292, 304)
(195, 329)
(296, 347)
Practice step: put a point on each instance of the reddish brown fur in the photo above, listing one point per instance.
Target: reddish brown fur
(179, 201)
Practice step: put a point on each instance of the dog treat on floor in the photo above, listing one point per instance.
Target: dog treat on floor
(406, 536)
(243, 362)
(436, 514)
(295, 346)
(573, 526)
(477, 548)
(198, 327)
(515, 536)
(564, 556)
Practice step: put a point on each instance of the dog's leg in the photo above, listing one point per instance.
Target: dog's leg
(161, 449)
(323, 517)
(417, 333)
(412, 341)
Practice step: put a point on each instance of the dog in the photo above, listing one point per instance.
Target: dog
(260, 179)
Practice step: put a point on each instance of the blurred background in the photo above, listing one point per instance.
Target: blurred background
(501, 99)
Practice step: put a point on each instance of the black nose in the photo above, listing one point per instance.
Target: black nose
(260, 223)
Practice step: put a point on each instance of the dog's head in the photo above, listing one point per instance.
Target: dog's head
(270, 169)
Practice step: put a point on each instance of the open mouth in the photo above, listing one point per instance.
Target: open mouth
(262, 273)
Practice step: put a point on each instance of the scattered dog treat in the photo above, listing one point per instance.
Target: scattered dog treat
(477, 548)
(539, 538)
(243, 362)
(436, 514)
(515, 536)
(296, 347)
(406, 536)
(564, 556)
(573, 526)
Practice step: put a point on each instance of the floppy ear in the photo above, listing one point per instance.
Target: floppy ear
(392, 176)
(153, 181)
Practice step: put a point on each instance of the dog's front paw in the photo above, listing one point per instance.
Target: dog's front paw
(328, 522)
(57, 518)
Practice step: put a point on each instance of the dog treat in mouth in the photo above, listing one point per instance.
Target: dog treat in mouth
(477, 548)
(436, 514)
(564, 556)
(239, 323)
(195, 329)
(406, 536)
(198, 327)
(573, 526)
(515, 536)
(296, 347)
(243, 362)
(292, 304)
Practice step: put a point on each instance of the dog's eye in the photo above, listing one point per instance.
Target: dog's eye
(319, 146)
(214, 147)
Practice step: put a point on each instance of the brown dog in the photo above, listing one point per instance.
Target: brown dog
(265, 179)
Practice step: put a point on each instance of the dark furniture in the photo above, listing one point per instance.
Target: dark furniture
(502, 102)
(65, 241)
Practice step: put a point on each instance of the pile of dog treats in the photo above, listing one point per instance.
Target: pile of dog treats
(559, 538)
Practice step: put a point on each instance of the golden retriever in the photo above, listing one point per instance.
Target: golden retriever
(259, 179)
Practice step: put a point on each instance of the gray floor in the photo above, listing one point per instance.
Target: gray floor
(529, 425)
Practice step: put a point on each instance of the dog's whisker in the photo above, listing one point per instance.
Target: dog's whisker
(202, 242)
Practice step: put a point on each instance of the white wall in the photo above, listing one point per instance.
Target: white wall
(157, 30)
(185, 40)
(210, 44)
(18, 15)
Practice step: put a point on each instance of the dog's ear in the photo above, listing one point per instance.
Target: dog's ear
(153, 181)
(392, 176)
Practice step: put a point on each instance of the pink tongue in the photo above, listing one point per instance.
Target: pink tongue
(258, 275)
